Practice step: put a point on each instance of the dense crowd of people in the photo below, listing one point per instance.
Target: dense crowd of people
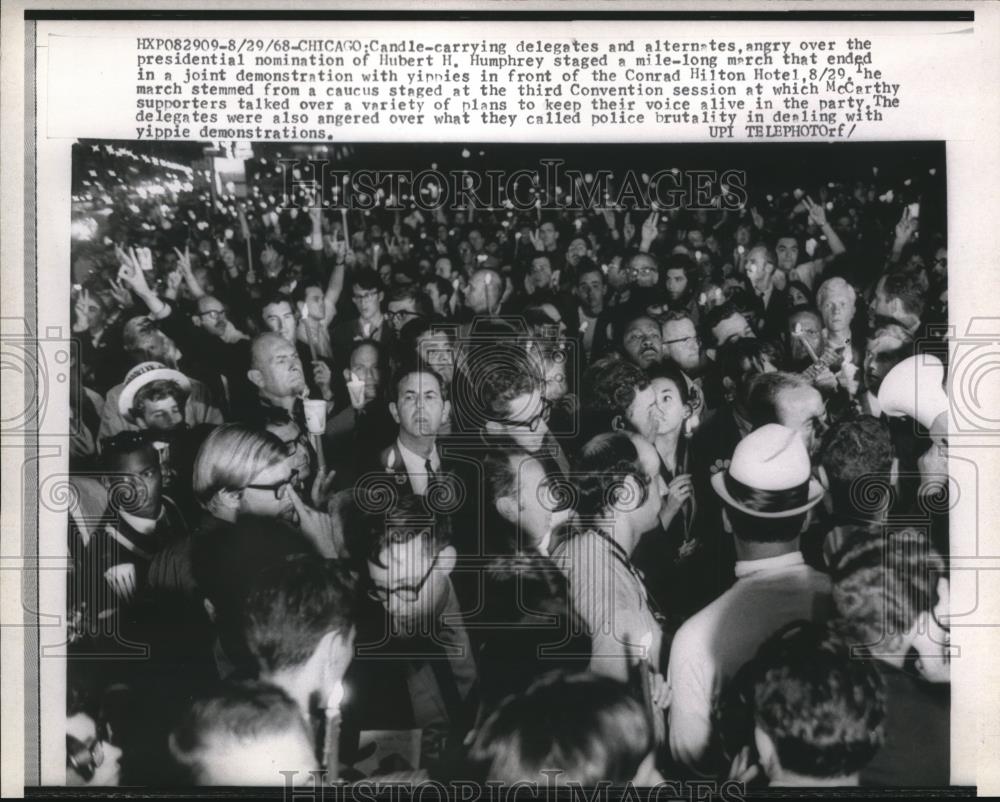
(577, 496)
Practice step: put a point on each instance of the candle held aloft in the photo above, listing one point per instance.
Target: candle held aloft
(331, 741)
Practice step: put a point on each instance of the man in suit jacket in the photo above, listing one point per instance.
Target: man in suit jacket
(419, 405)
(596, 330)
(760, 269)
(370, 323)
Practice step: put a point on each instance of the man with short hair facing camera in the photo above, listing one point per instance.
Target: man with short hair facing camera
(412, 641)
(420, 407)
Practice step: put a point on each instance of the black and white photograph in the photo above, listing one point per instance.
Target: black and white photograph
(503, 463)
(499, 399)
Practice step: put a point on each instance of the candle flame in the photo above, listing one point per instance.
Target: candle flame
(336, 696)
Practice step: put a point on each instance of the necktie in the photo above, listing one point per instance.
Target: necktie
(429, 469)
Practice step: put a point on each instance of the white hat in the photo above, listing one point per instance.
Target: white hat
(769, 475)
(913, 388)
(143, 374)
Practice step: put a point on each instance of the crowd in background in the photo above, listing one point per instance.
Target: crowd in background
(590, 494)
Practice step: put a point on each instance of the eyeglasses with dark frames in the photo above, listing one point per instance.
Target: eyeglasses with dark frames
(402, 314)
(403, 592)
(278, 488)
(531, 424)
(84, 759)
(694, 337)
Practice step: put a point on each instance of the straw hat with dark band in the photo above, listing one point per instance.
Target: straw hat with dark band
(143, 374)
(769, 475)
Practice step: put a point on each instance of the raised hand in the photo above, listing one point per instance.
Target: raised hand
(321, 487)
(628, 230)
(184, 260)
(825, 379)
(816, 211)
(121, 294)
(906, 226)
(145, 256)
(322, 376)
(130, 271)
(743, 769)
(315, 209)
(758, 218)
(319, 527)
(649, 227)
(82, 317)
(678, 492)
(231, 334)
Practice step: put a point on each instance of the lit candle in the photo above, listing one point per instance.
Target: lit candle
(331, 742)
(646, 672)
(801, 335)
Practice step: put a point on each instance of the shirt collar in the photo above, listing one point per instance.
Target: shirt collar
(746, 568)
(414, 462)
(873, 404)
(370, 329)
(144, 526)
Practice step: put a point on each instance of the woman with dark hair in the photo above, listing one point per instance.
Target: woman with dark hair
(619, 499)
(616, 396)
(800, 295)
(680, 279)
(668, 555)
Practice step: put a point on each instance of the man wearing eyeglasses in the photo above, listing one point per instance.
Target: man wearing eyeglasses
(212, 346)
(412, 637)
(370, 322)
(681, 343)
(90, 759)
(643, 270)
(511, 391)
(406, 303)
